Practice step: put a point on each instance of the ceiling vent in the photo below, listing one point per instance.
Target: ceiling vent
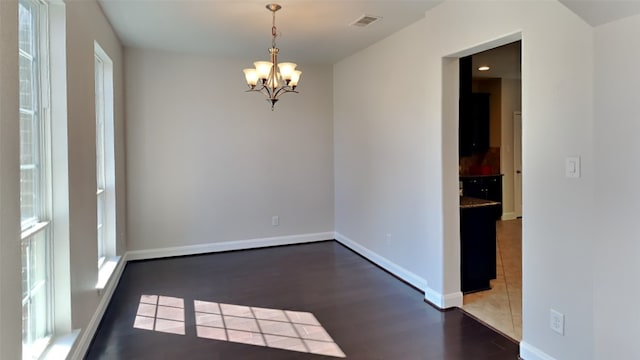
(365, 20)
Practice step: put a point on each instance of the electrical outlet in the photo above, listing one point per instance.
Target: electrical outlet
(556, 321)
(388, 237)
(572, 167)
(275, 221)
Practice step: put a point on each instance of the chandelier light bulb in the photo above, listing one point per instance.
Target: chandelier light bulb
(252, 77)
(286, 70)
(263, 68)
(295, 77)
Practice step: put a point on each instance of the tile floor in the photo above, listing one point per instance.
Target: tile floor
(501, 307)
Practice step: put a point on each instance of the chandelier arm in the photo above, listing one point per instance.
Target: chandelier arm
(257, 88)
(254, 90)
(264, 90)
(267, 92)
(262, 87)
(284, 90)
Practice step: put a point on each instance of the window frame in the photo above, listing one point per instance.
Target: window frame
(105, 158)
(99, 73)
(36, 231)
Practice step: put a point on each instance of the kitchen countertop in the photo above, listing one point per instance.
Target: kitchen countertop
(471, 202)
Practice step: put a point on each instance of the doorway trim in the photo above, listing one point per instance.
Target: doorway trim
(450, 173)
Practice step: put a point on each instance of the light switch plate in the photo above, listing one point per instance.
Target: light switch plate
(572, 167)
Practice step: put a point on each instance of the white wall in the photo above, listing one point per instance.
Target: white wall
(617, 250)
(392, 133)
(384, 183)
(208, 163)
(86, 24)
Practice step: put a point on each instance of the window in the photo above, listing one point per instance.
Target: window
(105, 175)
(100, 161)
(34, 179)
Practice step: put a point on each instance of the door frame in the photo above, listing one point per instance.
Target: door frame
(452, 296)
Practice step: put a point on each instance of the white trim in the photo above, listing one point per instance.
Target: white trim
(383, 262)
(227, 246)
(61, 347)
(509, 216)
(36, 228)
(106, 271)
(530, 352)
(86, 336)
(432, 296)
(445, 301)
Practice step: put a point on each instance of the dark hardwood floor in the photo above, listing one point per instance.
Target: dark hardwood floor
(367, 312)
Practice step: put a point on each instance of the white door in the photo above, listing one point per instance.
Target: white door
(517, 162)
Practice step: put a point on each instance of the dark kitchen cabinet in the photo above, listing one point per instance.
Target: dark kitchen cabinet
(473, 114)
(479, 122)
(487, 187)
(474, 125)
(477, 247)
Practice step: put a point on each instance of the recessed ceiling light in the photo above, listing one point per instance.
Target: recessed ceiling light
(484, 68)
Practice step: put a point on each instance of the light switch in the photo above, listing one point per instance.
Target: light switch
(572, 167)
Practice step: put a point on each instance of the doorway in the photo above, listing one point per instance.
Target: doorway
(495, 155)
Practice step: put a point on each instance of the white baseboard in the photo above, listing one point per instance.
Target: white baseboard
(227, 246)
(445, 301)
(80, 349)
(530, 352)
(509, 216)
(384, 263)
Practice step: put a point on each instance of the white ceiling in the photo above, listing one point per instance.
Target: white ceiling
(312, 31)
(598, 12)
(504, 62)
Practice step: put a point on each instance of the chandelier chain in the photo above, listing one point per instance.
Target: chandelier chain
(274, 30)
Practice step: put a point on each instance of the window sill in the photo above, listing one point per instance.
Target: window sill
(106, 270)
(36, 349)
(60, 347)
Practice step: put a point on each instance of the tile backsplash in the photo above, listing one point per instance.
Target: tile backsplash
(481, 163)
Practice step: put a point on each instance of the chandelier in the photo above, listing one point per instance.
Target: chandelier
(270, 77)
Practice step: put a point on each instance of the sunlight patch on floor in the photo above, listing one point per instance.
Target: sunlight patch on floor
(275, 328)
(282, 329)
(160, 313)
